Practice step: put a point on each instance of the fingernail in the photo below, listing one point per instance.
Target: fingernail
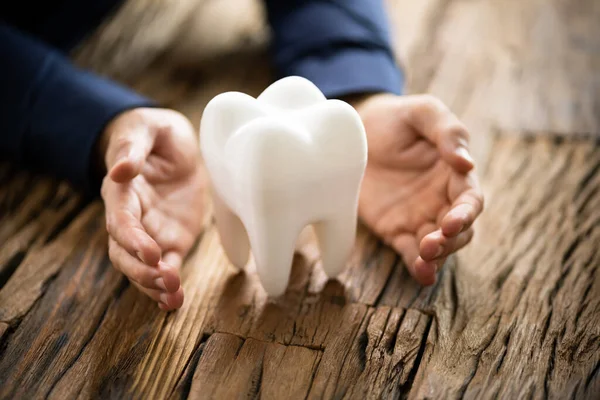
(163, 298)
(159, 282)
(439, 251)
(139, 254)
(464, 154)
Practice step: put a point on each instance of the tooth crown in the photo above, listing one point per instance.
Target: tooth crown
(277, 163)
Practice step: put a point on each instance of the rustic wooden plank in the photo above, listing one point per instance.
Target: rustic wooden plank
(24, 202)
(41, 264)
(311, 307)
(515, 315)
(532, 65)
(33, 224)
(288, 371)
(217, 358)
(51, 336)
(106, 365)
(231, 368)
(3, 328)
(374, 354)
(512, 317)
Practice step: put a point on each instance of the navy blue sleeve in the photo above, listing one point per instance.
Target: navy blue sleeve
(342, 46)
(52, 112)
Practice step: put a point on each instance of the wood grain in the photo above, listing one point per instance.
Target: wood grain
(514, 315)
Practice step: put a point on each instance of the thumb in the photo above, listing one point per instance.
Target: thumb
(127, 152)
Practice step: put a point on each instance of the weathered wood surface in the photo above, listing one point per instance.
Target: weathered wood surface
(515, 315)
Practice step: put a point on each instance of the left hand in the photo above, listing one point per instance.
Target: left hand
(420, 193)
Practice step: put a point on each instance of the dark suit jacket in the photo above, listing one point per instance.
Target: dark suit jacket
(52, 112)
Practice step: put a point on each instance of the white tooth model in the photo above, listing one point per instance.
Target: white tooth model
(278, 163)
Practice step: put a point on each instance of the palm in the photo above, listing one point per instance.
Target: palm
(406, 200)
(419, 193)
(170, 206)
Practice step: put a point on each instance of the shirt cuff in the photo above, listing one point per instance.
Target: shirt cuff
(64, 128)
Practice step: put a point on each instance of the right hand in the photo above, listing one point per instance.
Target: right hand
(153, 192)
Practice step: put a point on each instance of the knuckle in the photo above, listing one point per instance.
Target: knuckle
(421, 108)
(430, 103)
(426, 106)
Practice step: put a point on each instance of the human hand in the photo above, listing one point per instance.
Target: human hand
(152, 192)
(420, 193)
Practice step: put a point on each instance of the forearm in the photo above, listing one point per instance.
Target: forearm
(52, 112)
(343, 46)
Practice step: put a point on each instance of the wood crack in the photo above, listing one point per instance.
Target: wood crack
(546, 327)
(587, 178)
(463, 389)
(550, 369)
(62, 225)
(453, 297)
(81, 350)
(187, 373)
(11, 266)
(405, 388)
(315, 368)
(397, 264)
(592, 375)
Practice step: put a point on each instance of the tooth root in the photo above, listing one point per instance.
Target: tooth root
(336, 238)
(234, 238)
(273, 247)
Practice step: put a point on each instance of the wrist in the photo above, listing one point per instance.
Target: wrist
(99, 162)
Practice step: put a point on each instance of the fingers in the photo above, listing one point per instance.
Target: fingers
(408, 247)
(459, 219)
(425, 230)
(134, 269)
(128, 148)
(426, 271)
(169, 270)
(429, 116)
(166, 301)
(161, 284)
(433, 251)
(467, 205)
(436, 245)
(425, 258)
(123, 213)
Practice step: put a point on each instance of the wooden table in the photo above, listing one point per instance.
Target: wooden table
(514, 315)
